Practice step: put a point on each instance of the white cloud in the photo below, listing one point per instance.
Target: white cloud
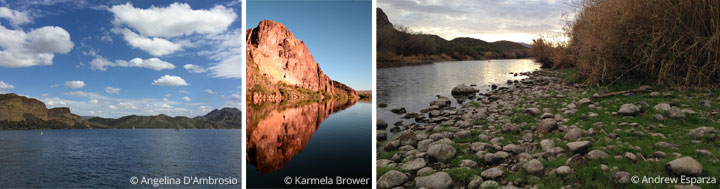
(111, 90)
(122, 106)
(112, 107)
(194, 68)
(165, 99)
(75, 84)
(93, 101)
(175, 20)
(228, 53)
(168, 95)
(37, 47)
(183, 91)
(168, 80)
(154, 46)
(16, 17)
(4, 85)
(186, 99)
(210, 92)
(100, 63)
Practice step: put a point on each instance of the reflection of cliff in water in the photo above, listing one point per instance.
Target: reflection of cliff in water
(276, 133)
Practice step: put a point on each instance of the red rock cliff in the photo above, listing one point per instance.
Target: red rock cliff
(275, 56)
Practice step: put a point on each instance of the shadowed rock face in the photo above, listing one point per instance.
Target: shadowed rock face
(64, 116)
(276, 134)
(275, 56)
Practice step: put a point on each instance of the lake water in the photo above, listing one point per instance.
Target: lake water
(109, 158)
(316, 140)
(413, 87)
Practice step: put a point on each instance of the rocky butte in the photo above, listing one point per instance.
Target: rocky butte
(19, 112)
(281, 68)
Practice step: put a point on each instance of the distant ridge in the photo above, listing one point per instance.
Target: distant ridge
(397, 44)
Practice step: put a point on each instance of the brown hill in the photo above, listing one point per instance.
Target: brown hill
(19, 112)
(280, 67)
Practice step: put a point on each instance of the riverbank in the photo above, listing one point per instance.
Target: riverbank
(550, 132)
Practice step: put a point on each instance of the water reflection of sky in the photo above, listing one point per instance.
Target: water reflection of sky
(413, 87)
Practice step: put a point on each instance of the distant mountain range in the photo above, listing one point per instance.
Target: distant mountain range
(399, 44)
(19, 112)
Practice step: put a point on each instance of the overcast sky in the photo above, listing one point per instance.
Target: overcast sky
(117, 58)
(489, 20)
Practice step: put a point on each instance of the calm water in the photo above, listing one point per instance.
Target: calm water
(110, 157)
(310, 141)
(413, 87)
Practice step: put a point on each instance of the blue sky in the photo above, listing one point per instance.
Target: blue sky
(337, 33)
(103, 59)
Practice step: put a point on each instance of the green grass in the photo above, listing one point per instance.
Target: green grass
(462, 176)
(382, 170)
(386, 155)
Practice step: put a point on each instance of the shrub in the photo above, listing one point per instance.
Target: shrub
(668, 42)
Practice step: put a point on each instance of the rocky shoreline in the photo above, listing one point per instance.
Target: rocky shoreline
(544, 131)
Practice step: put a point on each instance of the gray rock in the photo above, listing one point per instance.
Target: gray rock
(475, 182)
(685, 166)
(662, 107)
(621, 177)
(467, 163)
(547, 115)
(413, 164)
(463, 134)
(659, 154)
(398, 110)
(547, 125)
(547, 144)
(441, 152)
(573, 134)
(659, 117)
(579, 146)
(584, 101)
(532, 111)
(703, 132)
(629, 110)
(630, 156)
(381, 135)
(492, 173)
(425, 171)
(563, 170)
(392, 145)
(478, 146)
(534, 167)
(509, 127)
(489, 184)
(391, 179)
(407, 138)
(463, 89)
(597, 154)
(424, 145)
(381, 124)
(438, 180)
(676, 113)
(654, 94)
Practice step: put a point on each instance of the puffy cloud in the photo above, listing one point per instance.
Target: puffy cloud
(111, 90)
(75, 84)
(112, 107)
(175, 20)
(169, 80)
(100, 63)
(194, 68)
(155, 46)
(4, 85)
(93, 101)
(186, 99)
(210, 92)
(122, 106)
(37, 47)
(16, 17)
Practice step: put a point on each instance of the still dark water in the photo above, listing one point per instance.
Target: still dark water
(310, 141)
(103, 158)
(413, 87)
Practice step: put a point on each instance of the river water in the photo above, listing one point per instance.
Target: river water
(413, 87)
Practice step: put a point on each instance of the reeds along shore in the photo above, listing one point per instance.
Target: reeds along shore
(665, 42)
